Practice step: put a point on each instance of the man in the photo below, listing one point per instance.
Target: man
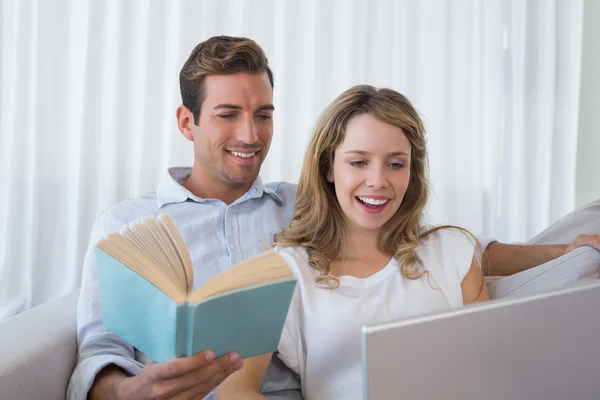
(225, 214)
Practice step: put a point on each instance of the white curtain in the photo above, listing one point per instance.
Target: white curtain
(88, 91)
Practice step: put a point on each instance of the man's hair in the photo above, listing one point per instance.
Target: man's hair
(219, 55)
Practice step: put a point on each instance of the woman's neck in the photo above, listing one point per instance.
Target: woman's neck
(361, 244)
(360, 255)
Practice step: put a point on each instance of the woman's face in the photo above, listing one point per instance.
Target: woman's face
(371, 171)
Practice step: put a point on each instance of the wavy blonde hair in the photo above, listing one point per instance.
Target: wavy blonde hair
(318, 223)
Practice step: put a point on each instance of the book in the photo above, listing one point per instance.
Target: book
(145, 278)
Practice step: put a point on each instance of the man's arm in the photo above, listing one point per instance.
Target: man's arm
(106, 382)
(187, 377)
(507, 259)
(97, 347)
(106, 366)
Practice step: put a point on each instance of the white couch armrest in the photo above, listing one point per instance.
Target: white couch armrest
(38, 350)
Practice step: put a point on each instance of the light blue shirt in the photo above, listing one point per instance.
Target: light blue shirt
(217, 235)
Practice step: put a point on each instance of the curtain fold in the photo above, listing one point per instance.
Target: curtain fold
(89, 88)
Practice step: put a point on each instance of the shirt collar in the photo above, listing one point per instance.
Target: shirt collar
(171, 190)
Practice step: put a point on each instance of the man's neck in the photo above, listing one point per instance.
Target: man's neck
(206, 187)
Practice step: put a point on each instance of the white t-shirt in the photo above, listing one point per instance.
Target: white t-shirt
(322, 332)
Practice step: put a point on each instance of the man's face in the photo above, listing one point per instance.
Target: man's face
(235, 127)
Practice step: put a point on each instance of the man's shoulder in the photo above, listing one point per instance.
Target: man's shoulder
(285, 190)
(130, 209)
(282, 187)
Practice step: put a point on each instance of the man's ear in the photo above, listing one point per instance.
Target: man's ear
(185, 121)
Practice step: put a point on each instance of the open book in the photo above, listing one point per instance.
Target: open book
(145, 278)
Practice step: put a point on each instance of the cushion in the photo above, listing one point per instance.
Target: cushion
(583, 220)
(38, 349)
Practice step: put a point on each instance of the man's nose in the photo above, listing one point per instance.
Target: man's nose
(247, 131)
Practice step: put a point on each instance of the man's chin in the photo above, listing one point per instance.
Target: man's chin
(242, 179)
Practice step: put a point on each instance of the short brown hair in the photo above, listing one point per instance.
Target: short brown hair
(219, 55)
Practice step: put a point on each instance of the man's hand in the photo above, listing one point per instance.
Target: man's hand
(584, 240)
(179, 379)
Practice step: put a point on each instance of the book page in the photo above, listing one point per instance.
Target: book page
(170, 256)
(154, 248)
(181, 248)
(128, 254)
(265, 268)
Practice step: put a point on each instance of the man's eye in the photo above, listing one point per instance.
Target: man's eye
(358, 163)
(264, 117)
(227, 116)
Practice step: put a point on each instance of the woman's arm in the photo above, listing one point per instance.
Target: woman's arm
(507, 259)
(245, 383)
(473, 285)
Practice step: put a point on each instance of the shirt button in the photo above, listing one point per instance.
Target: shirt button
(231, 246)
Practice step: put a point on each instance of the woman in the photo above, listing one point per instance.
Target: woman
(358, 248)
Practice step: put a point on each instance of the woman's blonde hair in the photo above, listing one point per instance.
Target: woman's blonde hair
(318, 222)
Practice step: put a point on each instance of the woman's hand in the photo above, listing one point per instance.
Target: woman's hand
(584, 240)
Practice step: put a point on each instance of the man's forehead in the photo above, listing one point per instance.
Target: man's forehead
(242, 87)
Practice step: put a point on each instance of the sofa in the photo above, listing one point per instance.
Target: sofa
(38, 347)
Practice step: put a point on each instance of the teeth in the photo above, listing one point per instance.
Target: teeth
(372, 201)
(242, 155)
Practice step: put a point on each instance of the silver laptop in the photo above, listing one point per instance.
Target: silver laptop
(544, 346)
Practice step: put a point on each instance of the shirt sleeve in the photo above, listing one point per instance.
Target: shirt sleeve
(287, 351)
(485, 241)
(460, 249)
(97, 347)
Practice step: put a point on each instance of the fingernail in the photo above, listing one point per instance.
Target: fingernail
(209, 356)
(236, 361)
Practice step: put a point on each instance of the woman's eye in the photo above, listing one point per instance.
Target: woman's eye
(358, 163)
(396, 165)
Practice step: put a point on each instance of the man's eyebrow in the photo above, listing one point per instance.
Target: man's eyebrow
(225, 105)
(236, 107)
(266, 107)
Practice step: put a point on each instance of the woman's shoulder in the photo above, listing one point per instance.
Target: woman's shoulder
(447, 237)
(450, 248)
(295, 256)
(294, 251)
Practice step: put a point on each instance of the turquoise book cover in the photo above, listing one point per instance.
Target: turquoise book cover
(248, 321)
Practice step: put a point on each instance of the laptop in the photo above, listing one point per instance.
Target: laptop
(545, 346)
